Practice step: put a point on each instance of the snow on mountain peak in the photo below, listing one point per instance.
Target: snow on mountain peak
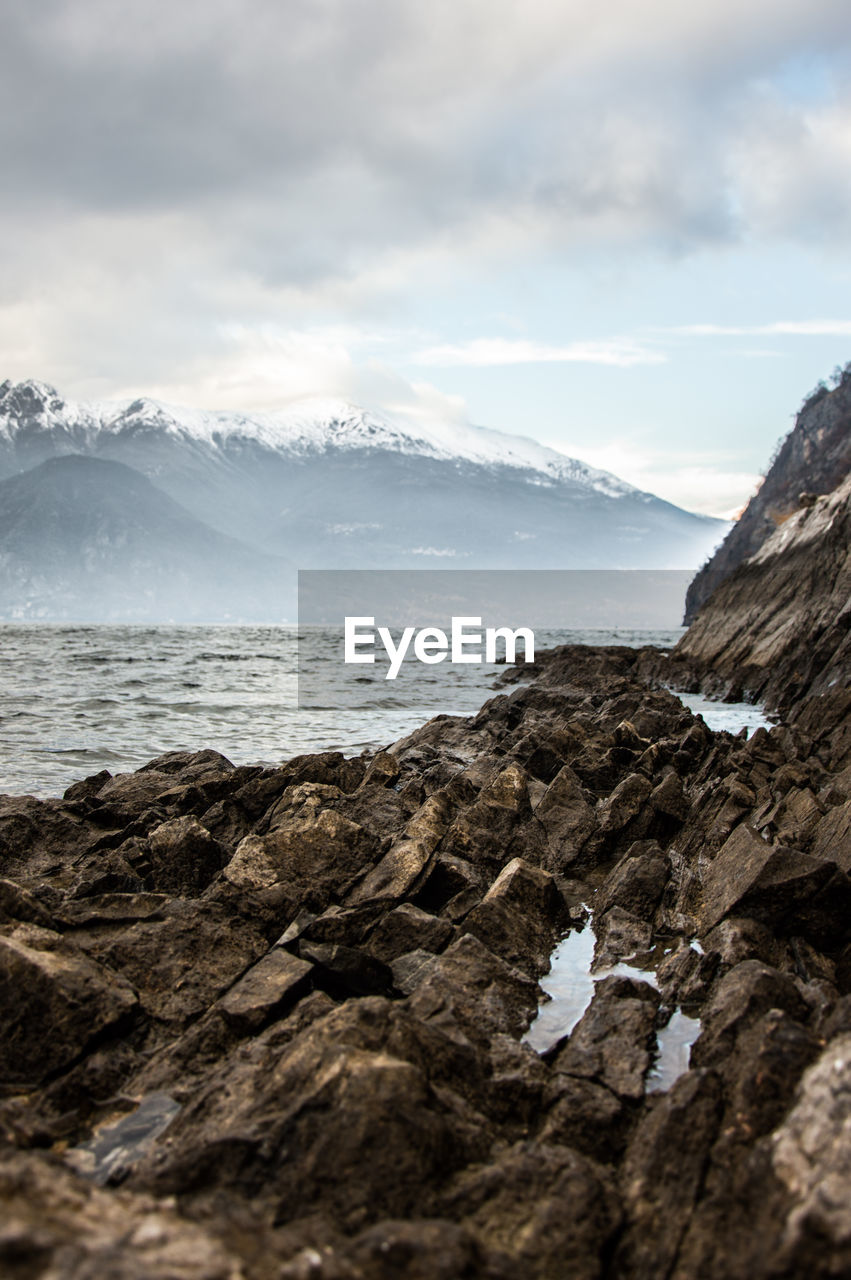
(306, 427)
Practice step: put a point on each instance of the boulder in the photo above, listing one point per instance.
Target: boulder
(54, 1001)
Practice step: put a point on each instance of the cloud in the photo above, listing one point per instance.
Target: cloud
(777, 328)
(622, 352)
(699, 480)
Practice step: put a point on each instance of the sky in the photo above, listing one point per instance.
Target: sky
(623, 229)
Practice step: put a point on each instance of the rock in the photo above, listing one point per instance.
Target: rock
(487, 831)
(331, 1124)
(742, 996)
(614, 1040)
(54, 1001)
(567, 818)
(403, 863)
(56, 1224)
(184, 857)
(586, 1116)
(832, 836)
(760, 880)
(624, 805)
(472, 988)
(18, 905)
(663, 1173)
(276, 981)
(811, 1156)
(520, 916)
(620, 936)
(346, 971)
(516, 1205)
(408, 928)
(637, 882)
(314, 853)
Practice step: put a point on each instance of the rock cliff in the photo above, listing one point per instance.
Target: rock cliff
(814, 458)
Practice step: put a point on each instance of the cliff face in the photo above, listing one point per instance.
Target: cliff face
(814, 459)
(778, 629)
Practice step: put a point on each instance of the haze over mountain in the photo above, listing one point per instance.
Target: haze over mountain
(325, 485)
(83, 539)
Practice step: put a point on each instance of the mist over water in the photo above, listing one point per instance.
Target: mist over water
(75, 700)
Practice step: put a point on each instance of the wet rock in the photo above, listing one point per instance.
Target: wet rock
(487, 832)
(620, 936)
(685, 977)
(54, 1002)
(614, 1040)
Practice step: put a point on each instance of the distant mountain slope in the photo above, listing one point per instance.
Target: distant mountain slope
(88, 540)
(815, 457)
(331, 485)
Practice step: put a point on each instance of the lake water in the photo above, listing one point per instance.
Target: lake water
(75, 700)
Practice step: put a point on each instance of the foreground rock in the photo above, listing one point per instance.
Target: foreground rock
(269, 1022)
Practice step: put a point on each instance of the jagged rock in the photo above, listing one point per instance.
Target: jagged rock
(334, 1123)
(519, 916)
(742, 996)
(620, 936)
(18, 905)
(637, 882)
(586, 1116)
(54, 1002)
(517, 1203)
(832, 836)
(663, 1174)
(811, 1156)
(56, 1224)
(408, 928)
(184, 857)
(347, 970)
(471, 987)
(314, 853)
(613, 1041)
(567, 818)
(761, 880)
(277, 980)
(401, 866)
(624, 805)
(487, 832)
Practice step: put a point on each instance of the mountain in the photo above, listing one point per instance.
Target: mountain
(83, 539)
(814, 458)
(330, 485)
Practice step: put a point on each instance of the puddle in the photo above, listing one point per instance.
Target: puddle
(729, 716)
(114, 1148)
(570, 986)
(673, 1046)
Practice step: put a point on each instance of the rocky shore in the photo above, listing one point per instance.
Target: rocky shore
(270, 1022)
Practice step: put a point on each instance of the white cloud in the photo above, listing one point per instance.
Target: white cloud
(622, 352)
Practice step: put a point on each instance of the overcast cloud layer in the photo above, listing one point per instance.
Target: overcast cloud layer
(233, 203)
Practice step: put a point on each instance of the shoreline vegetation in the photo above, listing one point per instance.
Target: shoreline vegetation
(270, 1022)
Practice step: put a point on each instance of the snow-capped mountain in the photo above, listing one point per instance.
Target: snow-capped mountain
(329, 485)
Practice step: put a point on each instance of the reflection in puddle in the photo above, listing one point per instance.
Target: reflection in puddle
(673, 1048)
(114, 1148)
(570, 987)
